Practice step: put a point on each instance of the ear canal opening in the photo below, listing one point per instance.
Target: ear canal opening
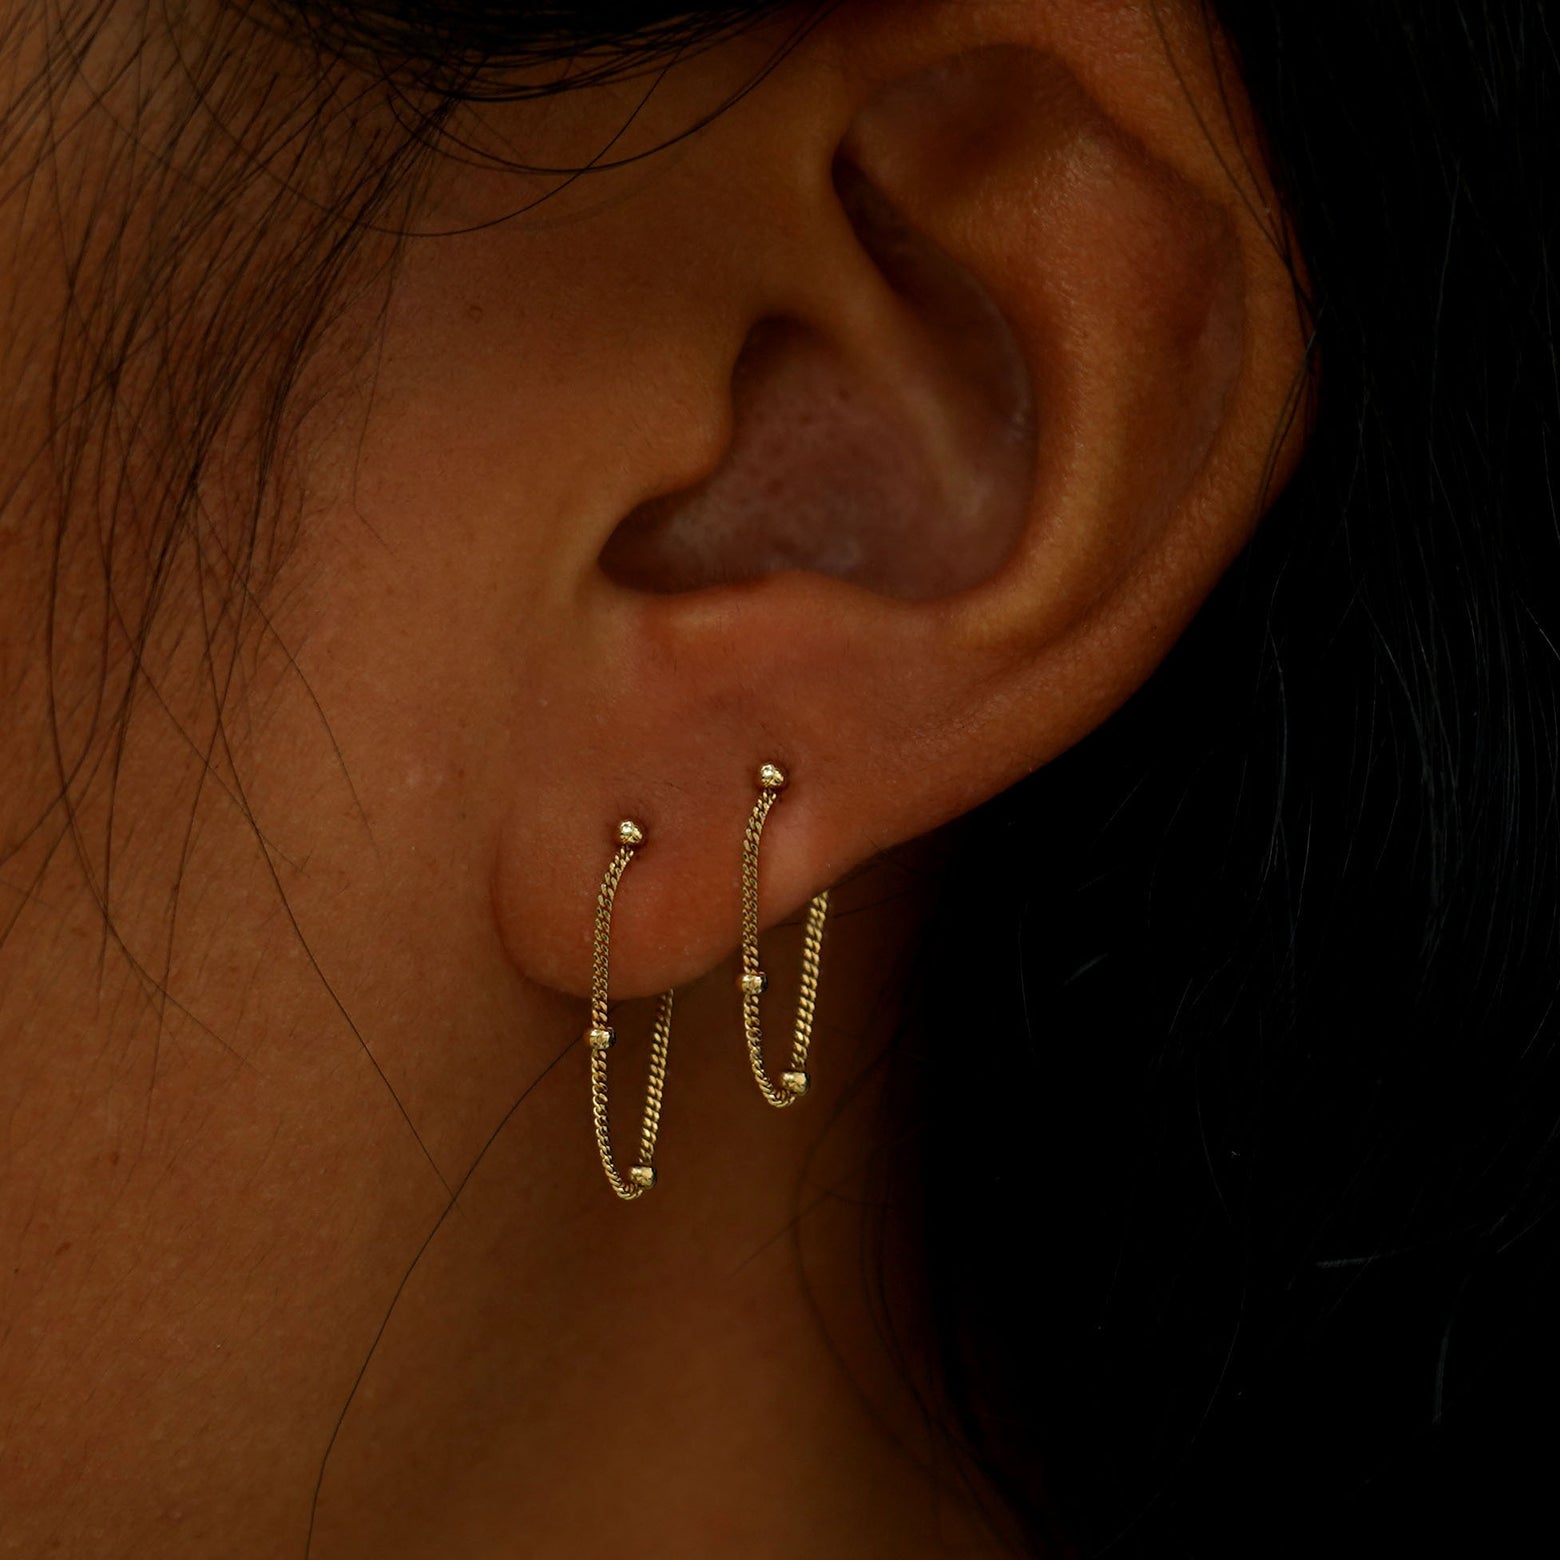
(904, 465)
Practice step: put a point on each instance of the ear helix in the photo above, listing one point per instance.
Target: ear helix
(641, 1177)
(794, 1082)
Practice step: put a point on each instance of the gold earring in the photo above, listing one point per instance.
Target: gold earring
(794, 1082)
(630, 836)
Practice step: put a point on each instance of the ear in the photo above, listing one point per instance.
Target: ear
(990, 377)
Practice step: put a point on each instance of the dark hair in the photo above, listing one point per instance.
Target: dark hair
(1239, 1181)
(1241, 1187)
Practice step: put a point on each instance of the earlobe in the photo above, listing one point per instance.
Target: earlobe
(1044, 177)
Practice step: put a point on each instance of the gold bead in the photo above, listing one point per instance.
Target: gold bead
(600, 1037)
(630, 833)
(751, 983)
(642, 1176)
(771, 777)
(796, 1083)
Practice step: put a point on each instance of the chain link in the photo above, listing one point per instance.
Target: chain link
(794, 1082)
(601, 1037)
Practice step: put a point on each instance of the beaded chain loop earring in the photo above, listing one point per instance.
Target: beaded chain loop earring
(794, 1082)
(630, 836)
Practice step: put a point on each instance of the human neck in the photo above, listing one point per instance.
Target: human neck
(696, 1373)
(215, 1205)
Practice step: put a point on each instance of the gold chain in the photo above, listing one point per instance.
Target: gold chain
(794, 1082)
(600, 1036)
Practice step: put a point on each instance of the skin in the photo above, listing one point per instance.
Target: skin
(351, 920)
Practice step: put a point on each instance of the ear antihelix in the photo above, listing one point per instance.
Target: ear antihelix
(883, 431)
